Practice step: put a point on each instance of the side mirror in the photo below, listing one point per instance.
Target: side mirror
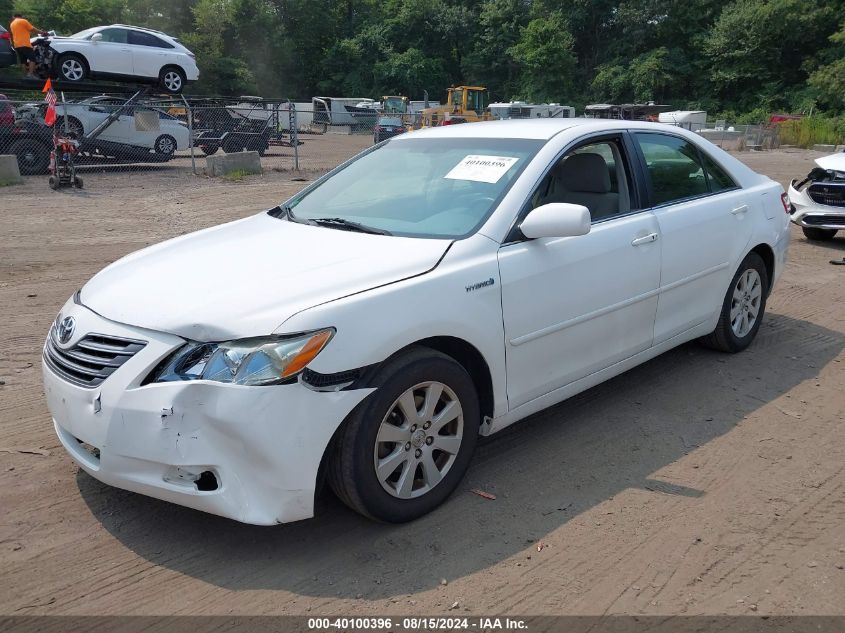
(556, 219)
(96, 37)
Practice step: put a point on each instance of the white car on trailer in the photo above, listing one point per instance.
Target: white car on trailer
(126, 53)
(441, 285)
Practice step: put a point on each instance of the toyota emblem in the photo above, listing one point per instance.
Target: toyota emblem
(64, 329)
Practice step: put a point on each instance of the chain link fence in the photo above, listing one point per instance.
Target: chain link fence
(118, 133)
(740, 137)
(136, 134)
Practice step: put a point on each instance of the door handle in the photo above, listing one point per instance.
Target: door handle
(740, 209)
(645, 239)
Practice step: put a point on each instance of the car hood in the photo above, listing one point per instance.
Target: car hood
(247, 277)
(834, 162)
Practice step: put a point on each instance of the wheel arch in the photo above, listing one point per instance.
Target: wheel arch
(168, 66)
(768, 256)
(73, 53)
(468, 356)
(460, 350)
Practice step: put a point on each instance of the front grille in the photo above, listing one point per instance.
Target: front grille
(92, 359)
(824, 220)
(828, 193)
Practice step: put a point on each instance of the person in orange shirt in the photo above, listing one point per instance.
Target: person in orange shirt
(21, 29)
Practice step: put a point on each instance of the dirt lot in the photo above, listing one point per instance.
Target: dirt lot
(698, 483)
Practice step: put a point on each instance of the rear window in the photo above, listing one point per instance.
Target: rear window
(396, 121)
(139, 38)
(718, 177)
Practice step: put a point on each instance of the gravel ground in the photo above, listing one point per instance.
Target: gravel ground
(698, 483)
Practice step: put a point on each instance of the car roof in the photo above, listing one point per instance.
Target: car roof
(541, 128)
(137, 28)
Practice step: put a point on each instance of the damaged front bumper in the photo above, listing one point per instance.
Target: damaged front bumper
(818, 201)
(247, 453)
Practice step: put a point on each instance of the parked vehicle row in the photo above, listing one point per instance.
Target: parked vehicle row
(440, 285)
(140, 132)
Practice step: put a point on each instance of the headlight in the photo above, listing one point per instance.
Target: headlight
(251, 361)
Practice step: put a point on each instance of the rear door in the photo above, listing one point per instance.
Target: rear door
(149, 53)
(705, 225)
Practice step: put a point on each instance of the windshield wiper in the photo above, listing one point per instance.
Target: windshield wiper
(349, 225)
(287, 212)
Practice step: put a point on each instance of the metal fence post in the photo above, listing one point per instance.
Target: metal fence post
(190, 132)
(294, 135)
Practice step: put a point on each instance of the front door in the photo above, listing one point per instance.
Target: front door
(573, 306)
(111, 54)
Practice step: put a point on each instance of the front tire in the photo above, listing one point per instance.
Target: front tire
(743, 307)
(406, 447)
(818, 235)
(72, 68)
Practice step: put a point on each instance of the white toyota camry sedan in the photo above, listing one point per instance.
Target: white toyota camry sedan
(439, 286)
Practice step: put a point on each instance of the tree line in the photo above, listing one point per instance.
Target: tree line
(741, 56)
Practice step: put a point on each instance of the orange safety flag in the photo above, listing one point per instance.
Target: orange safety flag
(48, 86)
(50, 115)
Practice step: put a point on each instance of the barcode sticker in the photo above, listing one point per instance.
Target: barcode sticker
(482, 168)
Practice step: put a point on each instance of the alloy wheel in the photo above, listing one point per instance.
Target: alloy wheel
(172, 81)
(418, 440)
(165, 146)
(745, 303)
(72, 70)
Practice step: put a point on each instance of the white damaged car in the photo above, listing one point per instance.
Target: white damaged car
(439, 286)
(817, 202)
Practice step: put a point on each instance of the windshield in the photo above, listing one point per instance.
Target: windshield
(83, 35)
(425, 187)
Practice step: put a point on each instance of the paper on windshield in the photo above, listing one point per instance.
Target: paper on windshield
(481, 168)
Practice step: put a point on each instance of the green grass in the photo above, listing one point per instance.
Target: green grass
(237, 175)
(813, 130)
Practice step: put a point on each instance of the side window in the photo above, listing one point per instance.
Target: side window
(139, 38)
(115, 36)
(718, 177)
(674, 167)
(594, 175)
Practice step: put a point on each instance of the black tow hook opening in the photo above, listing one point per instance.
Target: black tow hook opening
(207, 481)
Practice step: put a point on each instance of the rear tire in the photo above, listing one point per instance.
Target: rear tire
(233, 145)
(72, 68)
(33, 156)
(818, 235)
(53, 182)
(172, 80)
(395, 466)
(743, 307)
(165, 146)
(209, 149)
